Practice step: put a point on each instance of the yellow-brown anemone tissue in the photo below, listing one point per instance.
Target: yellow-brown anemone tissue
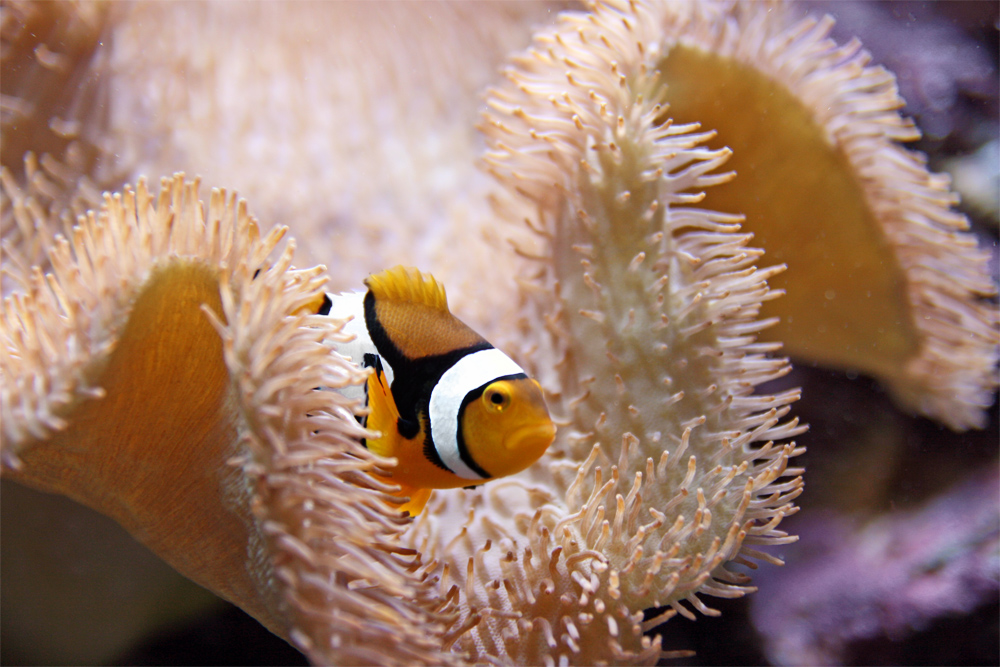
(152, 377)
(882, 277)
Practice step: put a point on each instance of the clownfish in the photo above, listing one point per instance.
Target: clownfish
(453, 410)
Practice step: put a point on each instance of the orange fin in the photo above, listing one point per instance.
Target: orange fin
(315, 304)
(409, 285)
(382, 414)
(418, 499)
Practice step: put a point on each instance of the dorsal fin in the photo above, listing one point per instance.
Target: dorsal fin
(408, 318)
(404, 283)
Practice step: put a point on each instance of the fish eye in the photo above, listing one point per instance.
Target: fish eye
(497, 397)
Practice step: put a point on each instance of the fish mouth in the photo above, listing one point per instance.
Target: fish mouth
(532, 440)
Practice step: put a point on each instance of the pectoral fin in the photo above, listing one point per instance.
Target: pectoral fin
(418, 499)
(382, 413)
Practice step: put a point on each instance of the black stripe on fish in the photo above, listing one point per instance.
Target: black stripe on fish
(431, 453)
(324, 308)
(383, 343)
(412, 386)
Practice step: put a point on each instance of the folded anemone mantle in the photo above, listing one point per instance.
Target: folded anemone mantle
(165, 370)
(164, 373)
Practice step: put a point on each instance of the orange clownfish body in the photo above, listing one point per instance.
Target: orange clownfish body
(452, 409)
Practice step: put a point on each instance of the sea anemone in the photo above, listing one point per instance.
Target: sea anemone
(883, 277)
(161, 362)
(164, 373)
